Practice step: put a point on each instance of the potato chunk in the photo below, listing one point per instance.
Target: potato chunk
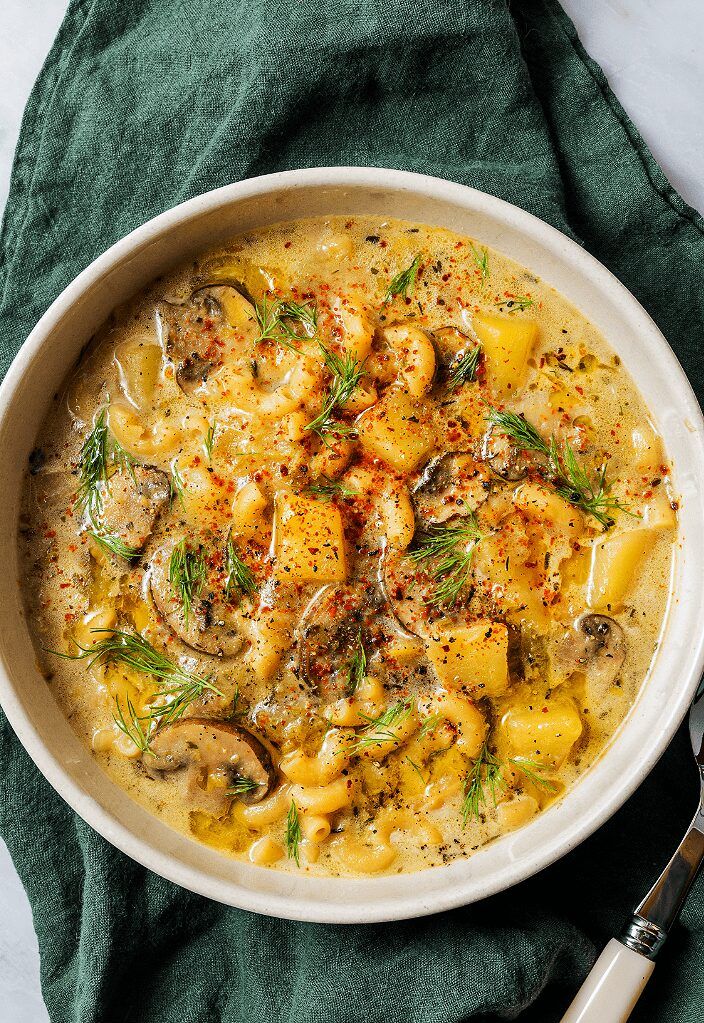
(544, 731)
(615, 562)
(475, 656)
(309, 540)
(397, 429)
(507, 342)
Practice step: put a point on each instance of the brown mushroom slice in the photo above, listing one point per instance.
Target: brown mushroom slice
(329, 635)
(505, 459)
(594, 646)
(191, 331)
(451, 484)
(228, 302)
(407, 592)
(220, 757)
(210, 625)
(451, 345)
(132, 502)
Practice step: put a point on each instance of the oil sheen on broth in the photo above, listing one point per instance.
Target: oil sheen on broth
(356, 541)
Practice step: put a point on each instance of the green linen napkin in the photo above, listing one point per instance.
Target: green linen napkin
(143, 103)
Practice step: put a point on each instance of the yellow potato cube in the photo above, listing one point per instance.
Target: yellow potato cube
(507, 342)
(615, 562)
(309, 540)
(543, 731)
(475, 656)
(397, 429)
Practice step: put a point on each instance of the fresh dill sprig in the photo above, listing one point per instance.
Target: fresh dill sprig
(484, 778)
(451, 549)
(464, 371)
(303, 314)
(293, 834)
(98, 453)
(380, 729)
(403, 282)
(93, 468)
(132, 725)
(132, 650)
(242, 785)
(267, 313)
(561, 468)
(277, 320)
(416, 768)
(210, 439)
(236, 572)
(514, 303)
(113, 544)
(177, 488)
(122, 459)
(187, 574)
(531, 769)
(429, 725)
(346, 373)
(482, 261)
(357, 667)
(327, 488)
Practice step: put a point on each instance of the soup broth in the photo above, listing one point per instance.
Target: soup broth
(347, 546)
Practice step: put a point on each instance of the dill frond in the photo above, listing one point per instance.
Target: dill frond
(451, 549)
(483, 780)
(132, 725)
(464, 371)
(180, 687)
(242, 785)
(210, 439)
(93, 468)
(346, 373)
(237, 574)
(482, 261)
(187, 574)
(380, 729)
(113, 544)
(532, 771)
(177, 488)
(357, 667)
(327, 488)
(561, 468)
(403, 282)
(293, 834)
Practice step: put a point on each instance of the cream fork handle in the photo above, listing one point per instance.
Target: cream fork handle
(613, 987)
(619, 975)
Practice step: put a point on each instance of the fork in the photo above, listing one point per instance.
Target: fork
(618, 977)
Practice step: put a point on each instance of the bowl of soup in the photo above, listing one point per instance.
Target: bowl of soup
(353, 529)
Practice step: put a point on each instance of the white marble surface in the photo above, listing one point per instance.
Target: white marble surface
(651, 52)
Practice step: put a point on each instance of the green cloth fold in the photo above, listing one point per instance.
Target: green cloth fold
(143, 103)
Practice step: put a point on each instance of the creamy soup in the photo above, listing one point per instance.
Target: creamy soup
(347, 546)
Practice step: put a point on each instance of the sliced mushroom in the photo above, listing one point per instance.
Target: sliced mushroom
(450, 345)
(595, 645)
(451, 484)
(505, 459)
(406, 591)
(221, 758)
(329, 636)
(191, 330)
(132, 503)
(210, 625)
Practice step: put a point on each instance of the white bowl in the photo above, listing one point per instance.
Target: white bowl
(51, 350)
